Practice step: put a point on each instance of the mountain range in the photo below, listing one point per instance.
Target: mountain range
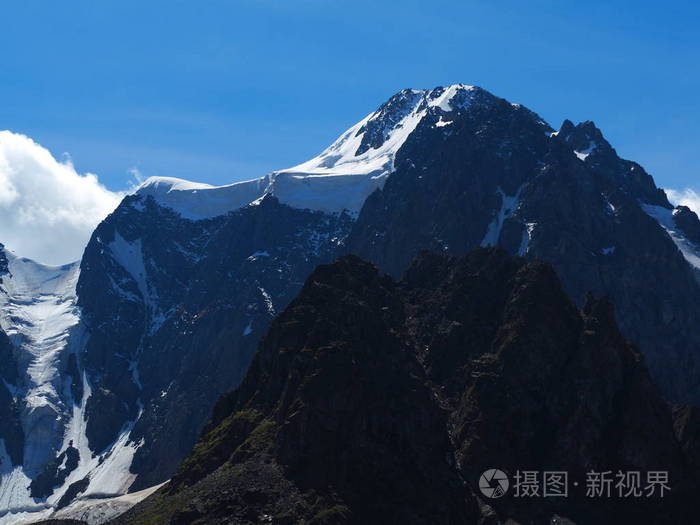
(374, 401)
(111, 366)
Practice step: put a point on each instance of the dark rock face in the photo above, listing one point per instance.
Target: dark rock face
(687, 427)
(445, 188)
(118, 307)
(55, 473)
(688, 222)
(76, 379)
(10, 426)
(557, 389)
(586, 139)
(390, 114)
(73, 491)
(3, 261)
(497, 178)
(376, 401)
(174, 310)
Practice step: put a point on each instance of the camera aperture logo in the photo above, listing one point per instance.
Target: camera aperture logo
(493, 483)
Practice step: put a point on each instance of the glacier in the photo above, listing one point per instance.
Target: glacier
(39, 313)
(664, 216)
(337, 180)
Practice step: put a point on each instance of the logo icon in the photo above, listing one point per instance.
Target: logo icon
(493, 483)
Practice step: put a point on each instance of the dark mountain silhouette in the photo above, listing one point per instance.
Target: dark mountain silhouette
(372, 400)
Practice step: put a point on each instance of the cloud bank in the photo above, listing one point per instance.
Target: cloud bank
(687, 197)
(47, 210)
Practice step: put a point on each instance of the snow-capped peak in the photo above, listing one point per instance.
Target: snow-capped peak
(197, 201)
(337, 180)
(369, 147)
(168, 184)
(451, 95)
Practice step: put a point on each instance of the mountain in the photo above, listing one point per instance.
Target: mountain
(499, 176)
(40, 316)
(375, 401)
(170, 311)
(114, 363)
(195, 296)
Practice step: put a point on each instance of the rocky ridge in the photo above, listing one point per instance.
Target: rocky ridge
(372, 400)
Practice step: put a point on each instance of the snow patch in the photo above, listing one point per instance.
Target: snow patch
(96, 511)
(169, 184)
(129, 255)
(664, 217)
(268, 301)
(196, 201)
(526, 239)
(583, 154)
(444, 101)
(255, 256)
(508, 205)
(109, 472)
(249, 328)
(15, 502)
(442, 123)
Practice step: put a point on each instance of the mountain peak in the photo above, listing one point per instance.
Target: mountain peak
(370, 146)
(396, 112)
(168, 184)
(584, 138)
(590, 146)
(342, 176)
(453, 97)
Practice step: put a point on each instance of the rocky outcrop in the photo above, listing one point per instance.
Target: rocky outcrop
(11, 433)
(498, 176)
(174, 310)
(687, 427)
(688, 222)
(376, 401)
(55, 473)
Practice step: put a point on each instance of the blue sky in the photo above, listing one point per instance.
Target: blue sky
(221, 91)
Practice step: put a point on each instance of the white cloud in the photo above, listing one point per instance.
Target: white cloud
(687, 197)
(47, 209)
(137, 178)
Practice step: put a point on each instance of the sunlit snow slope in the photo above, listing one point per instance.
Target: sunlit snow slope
(38, 304)
(337, 180)
(39, 314)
